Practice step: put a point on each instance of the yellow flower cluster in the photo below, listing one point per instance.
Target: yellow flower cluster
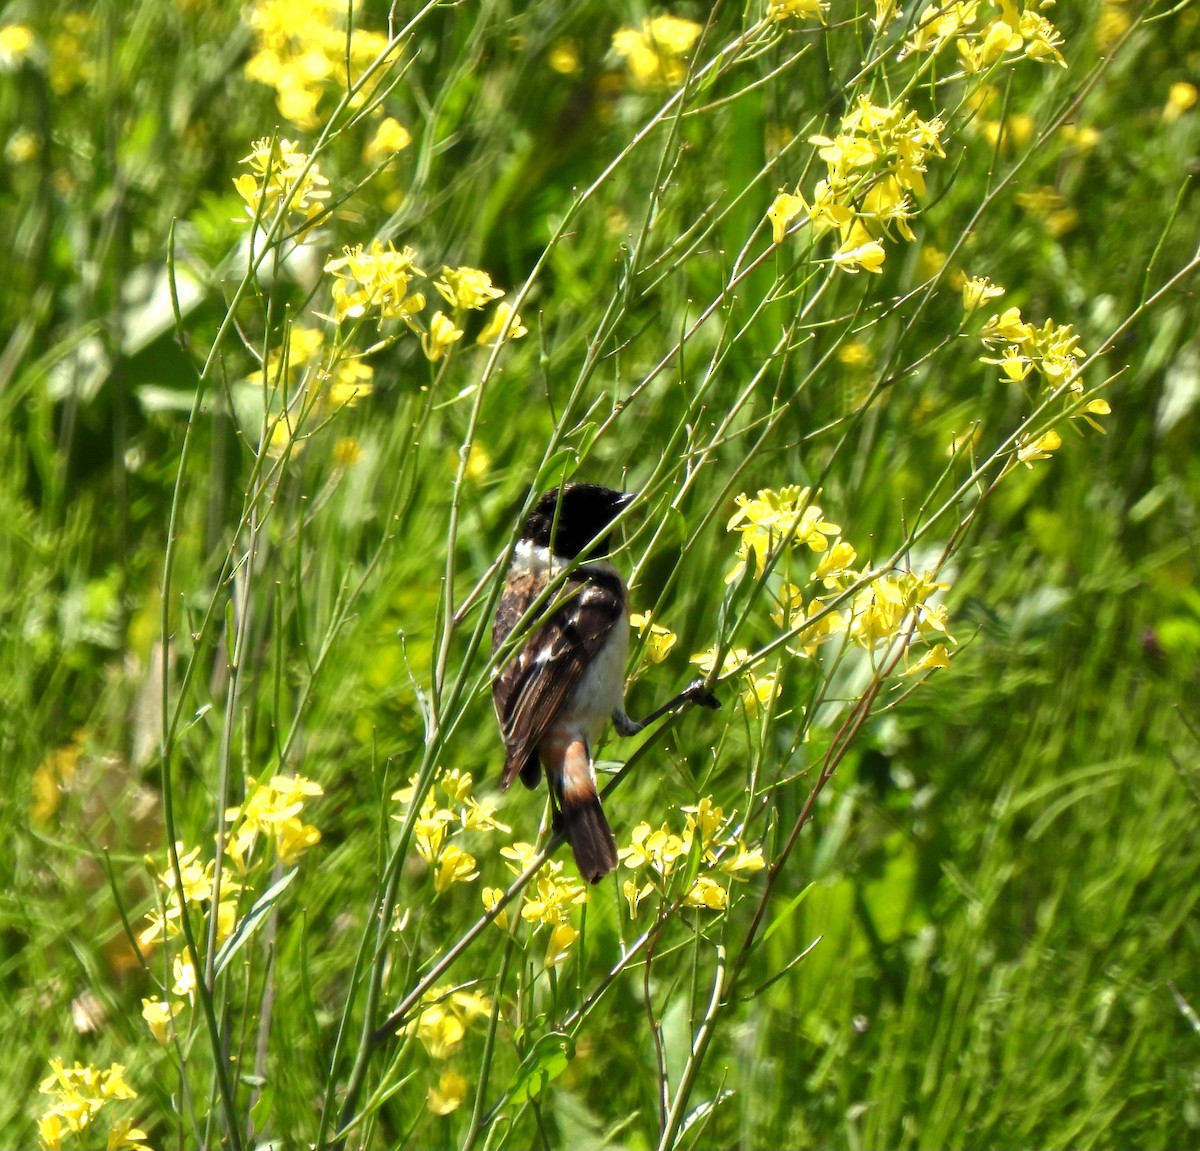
(273, 810)
(301, 51)
(80, 1093)
(1049, 355)
(1008, 33)
(298, 367)
(774, 521)
(872, 165)
(379, 280)
(281, 178)
(656, 855)
(891, 606)
(197, 892)
(547, 903)
(655, 53)
(438, 823)
(440, 1028)
(375, 280)
(307, 381)
(797, 9)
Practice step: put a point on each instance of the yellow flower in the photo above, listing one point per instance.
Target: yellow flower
(939, 23)
(51, 1130)
(440, 1031)
(816, 628)
(706, 892)
(743, 859)
(1014, 364)
(390, 137)
(937, 656)
(184, 976)
(442, 1026)
(79, 1094)
(761, 691)
(467, 288)
(521, 855)
(293, 838)
(733, 660)
(448, 1094)
(477, 816)
(1095, 408)
(867, 257)
(456, 784)
(558, 946)
(159, 1016)
(827, 210)
(977, 291)
(837, 565)
(302, 51)
(453, 866)
(491, 896)
(281, 177)
(776, 519)
(1041, 39)
(855, 354)
(16, 44)
(1030, 449)
(885, 13)
(1181, 98)
(659, 850)
(442, 335)
(654, 53)
(1007, 326)
(800, 9)
(563, 56)
(986, 48)
(783, 210)
(51, 779)
(287, 363)
(68, 48)
(885, 205)
(273, 809)
(635, 894)
(552, 895)
(376, 279)
(350, 381)
(503, 317)
(660, 640)
(879, 611)
(706, 818)
(124, 1136)
(430, 829)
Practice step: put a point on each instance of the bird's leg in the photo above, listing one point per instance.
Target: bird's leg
(696, 692)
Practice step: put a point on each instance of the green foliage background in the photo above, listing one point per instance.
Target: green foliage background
(996, 899)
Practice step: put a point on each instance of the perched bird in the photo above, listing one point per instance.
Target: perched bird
(554, 697)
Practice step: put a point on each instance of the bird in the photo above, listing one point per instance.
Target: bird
(556, 694)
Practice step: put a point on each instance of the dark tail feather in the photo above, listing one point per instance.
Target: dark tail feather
(587, 830)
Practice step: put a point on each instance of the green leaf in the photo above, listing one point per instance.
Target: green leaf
(786, 912)
(251, 922)
(546, 1061)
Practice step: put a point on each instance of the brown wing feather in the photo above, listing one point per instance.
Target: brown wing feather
(532, 689)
